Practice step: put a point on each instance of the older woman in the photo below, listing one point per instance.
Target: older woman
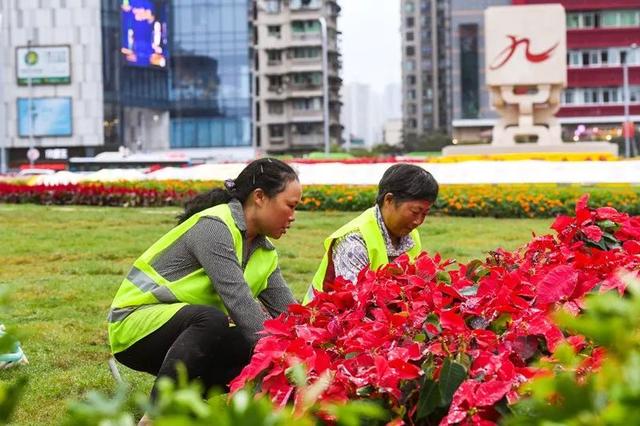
(383, 232)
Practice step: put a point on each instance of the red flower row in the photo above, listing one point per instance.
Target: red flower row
(438, 342)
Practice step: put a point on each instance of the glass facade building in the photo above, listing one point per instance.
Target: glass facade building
(209, 78)
(204, 89)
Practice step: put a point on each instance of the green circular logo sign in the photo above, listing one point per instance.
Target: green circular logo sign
(31, 58)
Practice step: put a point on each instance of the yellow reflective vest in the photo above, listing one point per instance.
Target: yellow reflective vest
(367, 225)
(146, 300)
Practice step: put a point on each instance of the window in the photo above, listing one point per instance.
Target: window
(274, 31)
(275, 108)
(307, 78)
(573, 20)
(305, 4)
(410, 50)
(409, 7)
(271, 6)
(307, 104)
(276, 130)
(568, 97)
(274, 56)
(411, 80)
(589, 20)
(621, 18)
(410, 22)
(311, 26)
(305, 52)
(574, 59)
(410, 36)
(275, 83)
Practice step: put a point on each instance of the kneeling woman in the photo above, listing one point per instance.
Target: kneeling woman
(383, 232)
(175, 303)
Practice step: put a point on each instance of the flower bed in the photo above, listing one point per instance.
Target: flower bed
(437, 342)
(528, 201)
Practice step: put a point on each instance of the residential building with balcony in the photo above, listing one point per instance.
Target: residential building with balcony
(288, 93)
(600, 36)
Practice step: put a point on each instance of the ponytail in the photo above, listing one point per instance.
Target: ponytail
(268, 174)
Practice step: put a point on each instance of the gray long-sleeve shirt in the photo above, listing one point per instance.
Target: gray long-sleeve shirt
(209, 245)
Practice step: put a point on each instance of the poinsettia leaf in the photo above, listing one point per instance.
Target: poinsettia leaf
(561, 223)
(631, 246)
(451, 376)
(429, 400)
(557, 284)
(593, 233)
(488, 393)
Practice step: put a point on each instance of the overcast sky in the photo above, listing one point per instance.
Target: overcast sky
(370, 41)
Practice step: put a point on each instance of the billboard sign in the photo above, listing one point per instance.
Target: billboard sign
(43, 65)
(50, 117)
(525, 45)
(143, 36)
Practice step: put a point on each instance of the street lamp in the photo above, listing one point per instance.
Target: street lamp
(325, 84)
(30, 112)
(625, 79)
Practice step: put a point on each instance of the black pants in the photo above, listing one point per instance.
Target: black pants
(197, 336)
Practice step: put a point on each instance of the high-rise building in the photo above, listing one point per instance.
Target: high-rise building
(288, 74)
(426, 76)
(392, 101)
(600, 36)
(356, 115)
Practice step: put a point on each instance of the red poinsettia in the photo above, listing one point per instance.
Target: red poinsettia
(444, 342)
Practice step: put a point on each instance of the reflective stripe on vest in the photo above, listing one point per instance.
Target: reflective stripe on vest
(145, 284)
(367, 225)
(145, 288)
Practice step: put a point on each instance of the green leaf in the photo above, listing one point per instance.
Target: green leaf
(469, 291)
(444, 277)
(430, 398)
(472, 266)
(451, 376)
(365, 390)
(297, 374)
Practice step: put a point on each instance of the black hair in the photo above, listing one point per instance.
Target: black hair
(268, 174)
(407, 182)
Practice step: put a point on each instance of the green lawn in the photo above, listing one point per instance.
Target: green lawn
(62, 266)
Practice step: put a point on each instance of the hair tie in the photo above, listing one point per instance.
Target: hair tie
(230, 185)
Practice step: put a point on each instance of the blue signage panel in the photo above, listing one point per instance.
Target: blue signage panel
(50, 117)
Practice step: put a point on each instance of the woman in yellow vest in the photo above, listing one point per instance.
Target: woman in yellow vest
(216, 265)
(383, 232)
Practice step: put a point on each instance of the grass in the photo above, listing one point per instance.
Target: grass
(63, 265)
